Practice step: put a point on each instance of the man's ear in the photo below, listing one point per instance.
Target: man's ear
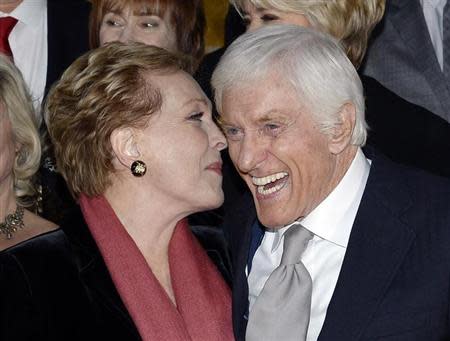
(341, 135)
(124, 147)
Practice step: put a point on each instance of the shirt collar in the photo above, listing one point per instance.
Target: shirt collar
(333, 218)
(29, 12)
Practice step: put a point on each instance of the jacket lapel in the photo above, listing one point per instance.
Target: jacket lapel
(378, 244)
(407, 18)
(105, 300)
(240, 226)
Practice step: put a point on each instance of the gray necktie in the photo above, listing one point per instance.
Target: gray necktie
(281, 311)
(446, 42)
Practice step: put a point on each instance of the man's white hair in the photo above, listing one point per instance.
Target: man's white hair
(312, 62)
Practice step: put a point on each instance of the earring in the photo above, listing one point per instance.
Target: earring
(138, 168)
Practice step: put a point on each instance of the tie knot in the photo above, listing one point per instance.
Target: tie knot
(6, 26)
(296, 239)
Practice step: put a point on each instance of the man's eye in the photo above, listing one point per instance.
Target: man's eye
(271, 129)
(196, 116)
(232, 133)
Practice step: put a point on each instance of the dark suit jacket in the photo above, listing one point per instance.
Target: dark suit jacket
(68, 36)
(394, 283)
(405, 132)
(67, 40)
(56, 287)
(401, 56)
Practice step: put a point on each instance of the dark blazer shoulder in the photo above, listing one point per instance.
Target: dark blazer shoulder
(405, 132)
(68, 36)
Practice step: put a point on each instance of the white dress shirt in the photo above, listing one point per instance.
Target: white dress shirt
(29, 46)
(331, 223)
(433, 11)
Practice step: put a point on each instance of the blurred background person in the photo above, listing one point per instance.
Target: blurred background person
(410, 53)
(176, 25)
(44, 37)
(20, 152)
(135, 140)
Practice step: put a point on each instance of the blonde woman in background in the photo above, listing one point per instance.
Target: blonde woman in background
(20, 153)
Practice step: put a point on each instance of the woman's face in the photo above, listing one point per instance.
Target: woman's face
(181, 146)
(129, 25)
(258, 17)
(7, 148)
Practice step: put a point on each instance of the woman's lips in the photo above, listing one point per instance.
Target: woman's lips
(215, 167)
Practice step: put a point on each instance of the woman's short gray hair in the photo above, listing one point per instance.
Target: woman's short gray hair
(17, 105)
(311, 61)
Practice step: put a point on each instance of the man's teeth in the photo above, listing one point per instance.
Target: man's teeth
(268, 179)
(275, 188)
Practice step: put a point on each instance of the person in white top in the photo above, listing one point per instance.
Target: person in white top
(291, 106)
(48, 36)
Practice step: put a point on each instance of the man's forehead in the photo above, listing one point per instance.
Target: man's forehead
(259, 105)
(258, 118)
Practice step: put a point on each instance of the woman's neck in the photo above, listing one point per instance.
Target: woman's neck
(149, 220)
(7, 199)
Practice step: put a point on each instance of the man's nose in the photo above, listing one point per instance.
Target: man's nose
(251, 152)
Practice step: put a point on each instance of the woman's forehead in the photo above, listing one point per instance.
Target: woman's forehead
(139, 7)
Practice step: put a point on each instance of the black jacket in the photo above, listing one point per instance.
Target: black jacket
(56, 286)
(395, 278)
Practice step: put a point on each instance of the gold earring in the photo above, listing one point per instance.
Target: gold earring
(138, 168)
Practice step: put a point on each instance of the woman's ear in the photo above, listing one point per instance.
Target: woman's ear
(124, 146)
(342, 133)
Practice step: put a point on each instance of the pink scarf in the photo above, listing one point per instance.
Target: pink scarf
(203, 309)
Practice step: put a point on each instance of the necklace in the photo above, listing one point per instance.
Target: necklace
(12, 223)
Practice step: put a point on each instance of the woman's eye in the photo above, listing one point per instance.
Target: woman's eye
(112, 22)
(269, 17)
(196, 116)
(149, 24)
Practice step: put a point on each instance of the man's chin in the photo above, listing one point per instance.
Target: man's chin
(271, 221)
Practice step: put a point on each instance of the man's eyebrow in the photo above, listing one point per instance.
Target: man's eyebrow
(271, 116)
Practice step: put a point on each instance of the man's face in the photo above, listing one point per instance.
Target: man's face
(289, 165)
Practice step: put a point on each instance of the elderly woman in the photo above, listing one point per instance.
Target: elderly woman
(20, 152)
(136, 143)
(403, 131)
(176, 25)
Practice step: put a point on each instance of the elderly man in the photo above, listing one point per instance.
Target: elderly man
(336, 244)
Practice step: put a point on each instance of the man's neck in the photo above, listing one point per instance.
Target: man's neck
(7, 6)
